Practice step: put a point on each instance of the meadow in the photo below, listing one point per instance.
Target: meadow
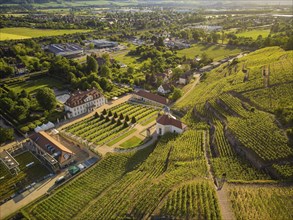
(32, 84)
(216, 52)
(254, 33)
(26, 33)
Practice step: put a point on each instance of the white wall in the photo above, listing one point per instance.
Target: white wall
(167, 128)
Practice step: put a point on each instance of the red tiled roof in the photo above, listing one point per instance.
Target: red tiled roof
(78, 98)
(43, 139)
(167, 120)
(154, 97)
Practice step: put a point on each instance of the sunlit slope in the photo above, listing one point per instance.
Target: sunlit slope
(231, 78)
(248, 111)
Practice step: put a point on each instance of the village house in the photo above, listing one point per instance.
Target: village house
(164, 89)
(81, 102)
(163, 76)
(169, 124)
(149, 97)
(55, 154)
(185, 78)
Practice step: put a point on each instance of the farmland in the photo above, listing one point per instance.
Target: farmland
(254, 33)
(10, 184)
(111, 123)
(34, 84)
(266, 202)
(25, 33)
(138, 192)
(216, 52)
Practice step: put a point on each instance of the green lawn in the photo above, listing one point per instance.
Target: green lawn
(216, 52)
(25, 33)
(254, 33)
(131, 143)
(111, 143)
(32, 85)
(12, 183)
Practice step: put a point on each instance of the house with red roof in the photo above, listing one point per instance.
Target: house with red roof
(169, 124)
(53, 153)
(81, 102)
(149, 97)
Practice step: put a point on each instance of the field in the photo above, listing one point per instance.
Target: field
(216, 52)
(139, 185)
(116, 140)
(111, 125)
(117, 91)
(266, 202)
(34, 84)
(254, 33)
(11, 184)
(131, 142)
(25, 33)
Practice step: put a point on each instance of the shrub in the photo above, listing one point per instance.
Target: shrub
(24, 129)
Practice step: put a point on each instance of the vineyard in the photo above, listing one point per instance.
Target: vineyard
(265, 202)
(134, 193)
(117, 91)
(192, 201)
(105, 126)
(11, 183)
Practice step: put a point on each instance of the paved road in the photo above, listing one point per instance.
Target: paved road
(25, 198)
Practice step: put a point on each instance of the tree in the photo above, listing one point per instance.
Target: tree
(92, 64)
(6, 134)
(104, 112)
(46, 98)
(125, 124)
(119, 122)
(105, 71)
(121, 117)
(115, 115)
(177, 93)
(96, 115)
(102, 117)
(127, 118)
(110, 113)
(133, 120)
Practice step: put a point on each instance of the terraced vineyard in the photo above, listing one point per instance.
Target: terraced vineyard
(99, 129)
(194, 201)
(134, 193)
(67, 202)
(266, 202)
(116, 92)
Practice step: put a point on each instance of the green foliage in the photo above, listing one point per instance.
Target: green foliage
(11, 183)
(6, 134)
(133, 120)
(100, 130)
(176, 94)
(46, 98)
(266, 202)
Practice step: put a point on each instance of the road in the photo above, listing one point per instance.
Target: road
(196, 81)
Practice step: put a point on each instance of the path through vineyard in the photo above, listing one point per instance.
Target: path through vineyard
(224, 202)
